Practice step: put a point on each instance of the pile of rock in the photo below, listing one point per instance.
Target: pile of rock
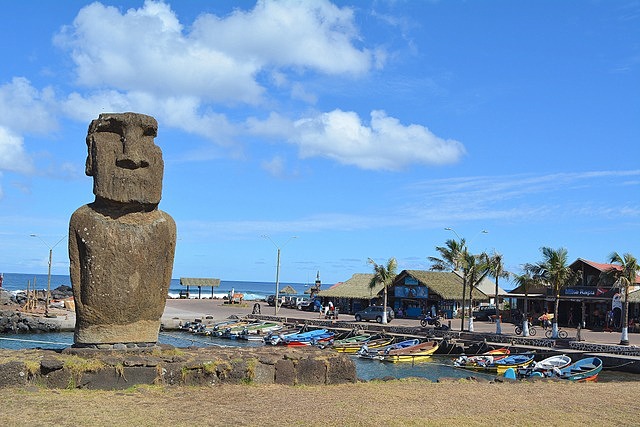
(17, 322)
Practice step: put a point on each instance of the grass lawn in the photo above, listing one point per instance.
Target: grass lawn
(400, 402)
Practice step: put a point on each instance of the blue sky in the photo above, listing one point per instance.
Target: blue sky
(363, 128)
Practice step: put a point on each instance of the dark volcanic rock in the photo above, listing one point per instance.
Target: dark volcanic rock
(285, 372)
(13, 374)
(110, 369)
(312, 371)
(49, 365)
(121, 247)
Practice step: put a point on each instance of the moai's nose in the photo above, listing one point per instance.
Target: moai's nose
(133, 154)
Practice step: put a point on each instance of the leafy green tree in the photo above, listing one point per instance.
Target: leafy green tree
(555, 273)
(625, 274)
(495, 267)
(383, 274)
(452, 257)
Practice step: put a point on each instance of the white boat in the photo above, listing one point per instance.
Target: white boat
(551, 366)
(548, 364)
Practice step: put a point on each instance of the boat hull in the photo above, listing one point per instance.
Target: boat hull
(584, 370)
(417, 353)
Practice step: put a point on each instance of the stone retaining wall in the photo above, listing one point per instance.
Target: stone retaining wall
(108, 370)
(628, 350)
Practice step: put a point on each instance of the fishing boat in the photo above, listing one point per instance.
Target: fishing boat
(545, 368)
(313, 336)
(482, 359)
(217, 328)
(515, 361)
(232, 331)
(583, 370)
(321, 340)
(274, 336)
(373, 343)
(366, 352)
(353, 339)
(355, 346)
(256, 332)
(416, 353)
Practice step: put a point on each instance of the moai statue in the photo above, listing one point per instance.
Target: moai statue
(121, 247)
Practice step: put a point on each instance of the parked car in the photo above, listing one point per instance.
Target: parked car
(290, 301)
(483, 313)
(271, 300)
(312, 304)
(374, 312)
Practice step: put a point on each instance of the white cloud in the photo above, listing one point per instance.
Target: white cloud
(275, 126)
(275, 166)
(12, 155)
(521, 197)
(177, 112)
(295, 33)
(384, 143)
(25, 109)
(148, 50)
(146, 60)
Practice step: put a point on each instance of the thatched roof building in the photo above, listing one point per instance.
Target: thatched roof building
(288, 290)
(193, 282)
(357, 287)
(446, 284)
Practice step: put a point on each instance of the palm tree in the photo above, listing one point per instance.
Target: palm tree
(383, 275)
(452, 257)
(625, 275)
(526, 281)
(495, 267)
(555, 273)
(474, 270)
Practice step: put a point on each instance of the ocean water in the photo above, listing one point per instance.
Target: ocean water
(15, 282)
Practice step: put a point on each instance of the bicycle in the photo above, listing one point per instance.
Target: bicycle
(561, 334)
(532, 330)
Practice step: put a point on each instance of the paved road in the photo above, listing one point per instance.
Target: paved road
(178, 310)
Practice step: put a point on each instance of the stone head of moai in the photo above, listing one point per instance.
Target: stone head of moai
(125, 163)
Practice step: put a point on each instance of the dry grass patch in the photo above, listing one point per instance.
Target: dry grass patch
(401, 402)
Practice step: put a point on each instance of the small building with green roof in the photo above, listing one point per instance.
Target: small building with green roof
(412, 293)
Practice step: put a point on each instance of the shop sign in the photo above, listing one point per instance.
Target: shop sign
(588, 291)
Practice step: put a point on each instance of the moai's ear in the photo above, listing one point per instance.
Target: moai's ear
(88, 169)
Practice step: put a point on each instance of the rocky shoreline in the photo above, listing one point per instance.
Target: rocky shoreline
(15, 320)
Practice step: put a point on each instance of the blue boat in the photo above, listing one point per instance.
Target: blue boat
(301, 338)
(514, 361)
(583, 370)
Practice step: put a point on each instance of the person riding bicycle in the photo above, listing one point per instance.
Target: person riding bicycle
(546, 319)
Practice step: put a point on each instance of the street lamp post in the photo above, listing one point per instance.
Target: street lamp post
(48, 296)
(278, 267)
(464, 281)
